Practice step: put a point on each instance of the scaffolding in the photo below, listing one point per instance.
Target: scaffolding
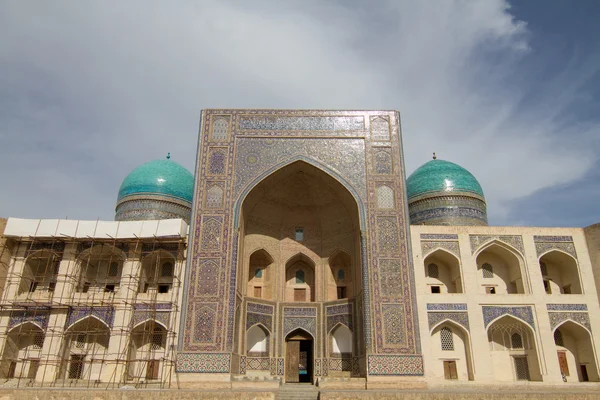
(91, 312)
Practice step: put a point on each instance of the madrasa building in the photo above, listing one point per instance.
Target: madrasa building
(298, 251)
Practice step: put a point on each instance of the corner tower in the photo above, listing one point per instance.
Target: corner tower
(443, 193)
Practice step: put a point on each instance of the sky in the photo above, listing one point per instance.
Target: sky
(509, 90)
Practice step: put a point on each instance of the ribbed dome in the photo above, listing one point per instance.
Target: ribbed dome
(442, 177)
(160, 177)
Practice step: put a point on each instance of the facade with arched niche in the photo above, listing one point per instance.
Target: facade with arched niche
(309, 258)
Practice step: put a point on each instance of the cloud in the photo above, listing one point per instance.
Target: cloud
(89, 90)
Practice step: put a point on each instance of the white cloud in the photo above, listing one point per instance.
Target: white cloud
(94, 89)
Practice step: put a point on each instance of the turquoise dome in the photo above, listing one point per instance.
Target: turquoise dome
(439, 176)
(160, 177)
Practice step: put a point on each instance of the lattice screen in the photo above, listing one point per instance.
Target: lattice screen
(558, 338)
(447, 339)
(521, 368)
(488, 271)
(433, 271)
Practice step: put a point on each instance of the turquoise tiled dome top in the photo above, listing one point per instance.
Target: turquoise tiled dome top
(442, 177)
(159, 177)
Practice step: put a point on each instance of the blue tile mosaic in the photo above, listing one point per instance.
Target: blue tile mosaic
(446, 306)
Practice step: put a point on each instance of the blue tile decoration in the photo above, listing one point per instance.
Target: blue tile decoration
(394, 324)
(300, 311)
(545, 244)
(317, 367)
(523, 313)
(38, 317)
(301, 123)
(339, 309)
(428, 247)
(246, 156)
(162, 177)
(439, 176)
(160, 312)
(265, 320)
(203, 362)
(542, 238)
(105, 314)
(395, 365)
(515, 241)
(582, 318)
(259, 308)
(439, 236)
(446, 306)
(256, 364)
(461, 318)
(344, 319)
(566, 307)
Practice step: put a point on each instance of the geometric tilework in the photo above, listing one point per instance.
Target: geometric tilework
(515, 241)
(446, 307)
(258, 363)
(524, 313)
(387, 234)
(253, 319)
(395, 365)
(543, 247)
(300, 311)
(428, 246)
(333, 320)
(308, 324)
(383, 161)
(538, 238)
(390, 283)
(37, 317)
(204, 322)
(217, 161)
(461, 318)
(436, 236)
(203, 362)
(394, 325)
(211, 234)
(385, 197)
(566, 307)
(259, 308)
(104, 313)
(380, 128)
(340, 309)
(208, 275)
(556, 318)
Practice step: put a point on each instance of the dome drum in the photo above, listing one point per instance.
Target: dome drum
(448, 210)
(136, 208)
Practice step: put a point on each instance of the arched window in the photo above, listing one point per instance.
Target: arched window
(258, 273)
(488, 271)
(166, 269)
(299, 276)
(433, 271)
(342, 340)
(341, 275)
(113, 269)
(257, 340)
(558, 338)
(156, 341)
(516, 341)
(447, 339)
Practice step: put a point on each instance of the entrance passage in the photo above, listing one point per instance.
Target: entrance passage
(299, 357)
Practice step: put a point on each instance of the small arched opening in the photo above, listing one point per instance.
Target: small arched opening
(560, 273)
(513, 350)
(300, 279)
(158, 271)
(500, 270)
(340, 284)
(442, 273)
(260, 275)
(100, 269)
(575, 351)
(451, 345)
(341, 351)
(22, 352)
(85, 349)
(257, 341)
(146, 350)
(40, 273)
(299, 357)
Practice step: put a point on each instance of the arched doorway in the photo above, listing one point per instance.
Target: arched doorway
(299, 357)
(575, 353)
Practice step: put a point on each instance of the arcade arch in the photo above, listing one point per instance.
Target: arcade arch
(575, 353)
(500, 270)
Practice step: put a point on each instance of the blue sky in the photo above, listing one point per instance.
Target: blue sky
(509, 90)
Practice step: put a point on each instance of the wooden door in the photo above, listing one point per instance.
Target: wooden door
(562, 362)
(292, 358)
(450, 370)
(152, 369)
